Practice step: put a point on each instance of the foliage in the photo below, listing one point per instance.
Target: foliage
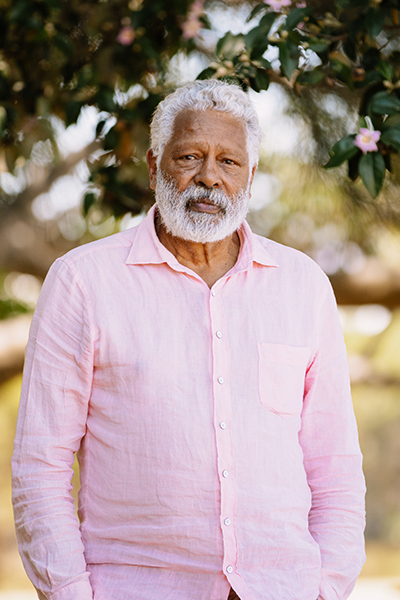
(356, 47)
(9, 305)
(58, 56)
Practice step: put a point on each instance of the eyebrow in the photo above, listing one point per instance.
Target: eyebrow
(186, 148)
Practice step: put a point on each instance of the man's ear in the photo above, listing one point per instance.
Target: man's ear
(152, 168)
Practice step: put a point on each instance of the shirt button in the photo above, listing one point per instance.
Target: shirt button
(212, 292)
(224, 473)
(227, 522)
(229, 569)
(222, 425)
(218, 334)
(220, 380)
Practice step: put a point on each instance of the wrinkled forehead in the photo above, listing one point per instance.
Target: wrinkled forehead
(210, 127)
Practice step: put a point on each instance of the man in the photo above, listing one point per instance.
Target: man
(200, 373)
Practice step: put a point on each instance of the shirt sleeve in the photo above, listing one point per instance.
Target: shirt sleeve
(333, 460)
(51, 423)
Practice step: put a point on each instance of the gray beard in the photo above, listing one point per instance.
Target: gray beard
(182, 222)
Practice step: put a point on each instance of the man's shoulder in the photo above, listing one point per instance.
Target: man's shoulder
(288, 257)
(112, 247)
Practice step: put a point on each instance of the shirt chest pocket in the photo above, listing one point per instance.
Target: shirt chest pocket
(281, 377)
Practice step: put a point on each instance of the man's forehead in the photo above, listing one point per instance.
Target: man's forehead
(223, 129)
(192, 119)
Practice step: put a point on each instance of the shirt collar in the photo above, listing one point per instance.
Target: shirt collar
(147, 249)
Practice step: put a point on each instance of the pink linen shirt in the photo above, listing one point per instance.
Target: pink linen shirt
(214, 429)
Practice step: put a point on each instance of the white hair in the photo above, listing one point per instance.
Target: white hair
(208, 94)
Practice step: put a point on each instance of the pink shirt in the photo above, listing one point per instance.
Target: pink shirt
(214, 429)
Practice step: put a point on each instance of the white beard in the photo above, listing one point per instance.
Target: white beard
(182, 222)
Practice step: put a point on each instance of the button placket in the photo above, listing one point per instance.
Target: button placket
(223, 432)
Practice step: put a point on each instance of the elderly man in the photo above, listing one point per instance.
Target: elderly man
(199, 372)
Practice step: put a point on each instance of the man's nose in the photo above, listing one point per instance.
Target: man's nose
(208, 174)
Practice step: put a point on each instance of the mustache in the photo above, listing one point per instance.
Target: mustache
(195, 192)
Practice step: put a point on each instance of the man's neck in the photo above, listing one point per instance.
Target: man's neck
(210, 261)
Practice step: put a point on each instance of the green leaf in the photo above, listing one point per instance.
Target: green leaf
(88, 201)
(362, 122)
(206, 73)
(256, 40)
(383, 103)
(112, 139)
(391, 137)
(296, 16)
(3, 119)
(372, 172)
(205, 21)
(64, 44)
(20, 11)
(105, 99)
(371, 59)
(343, 150)
(230, 45)
(261, 80)
(253, 37)
(386, 70)
(267, 21)
(11, 154)
(353, 166)
(289, 57)
(317, 46)
(370, 77)
(100, 127)
(388, 163)
(350, 49)
(393, 121)
(351, 3)
(310, 77)
(263, 62)
(255, 11)
(72, 111)
(342, 72)
(374, 22)
(259, 48)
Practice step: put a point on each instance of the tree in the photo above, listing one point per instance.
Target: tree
(59, 57)
(354, 47)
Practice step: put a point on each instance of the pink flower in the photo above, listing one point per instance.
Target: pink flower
(366, 140)
(277, 5)
(192, 26)
(197, 9)
(301, 4)
(126, 35)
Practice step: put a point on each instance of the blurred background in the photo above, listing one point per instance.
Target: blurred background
(78, 84)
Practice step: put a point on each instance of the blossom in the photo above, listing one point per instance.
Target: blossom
(277, 5)
(126, 35)
(366, 140)
(192, 26)
(196, 10)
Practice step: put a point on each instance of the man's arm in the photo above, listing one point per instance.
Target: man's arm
(51, 423)
(333, 460)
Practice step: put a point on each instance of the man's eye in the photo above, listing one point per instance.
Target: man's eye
(229, 161)
(188, 157)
